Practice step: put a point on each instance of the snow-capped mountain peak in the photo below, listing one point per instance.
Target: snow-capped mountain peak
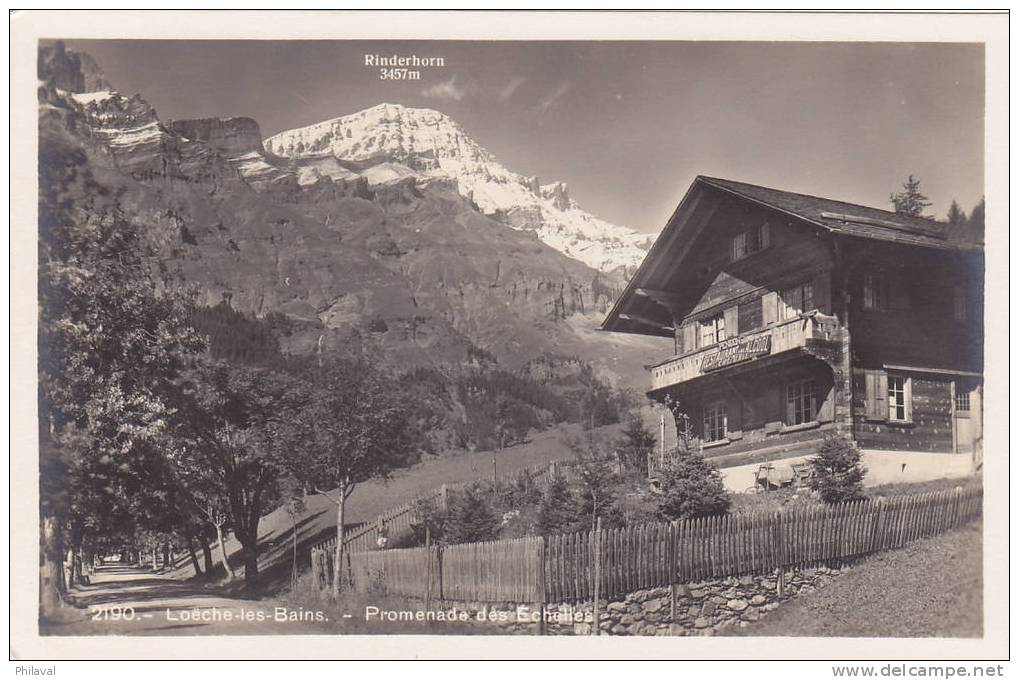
(429, 144)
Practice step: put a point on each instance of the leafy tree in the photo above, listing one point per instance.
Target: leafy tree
(692, 487)
(347, 426)
(229, 457)
(558, 512)
(837, 471)
(910, 201)
(430, 522)
(637, 443)
(471, 518)
(112, 339)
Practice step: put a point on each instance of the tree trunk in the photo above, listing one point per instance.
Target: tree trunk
(193, 556)
(51, 593)
(250, 549)
(154, 564)
(338, 554)
(167, 557)
(222, 553)
(293, 571)
(206, 554)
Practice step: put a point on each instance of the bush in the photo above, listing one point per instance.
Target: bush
(471, 518)
(692, 487)
(430, 524)
(837, 471)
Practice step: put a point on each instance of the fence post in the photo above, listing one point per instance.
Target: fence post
(428, 566)
(957, 493)
(780, 557)
(542, 595)
(596, 628)
(877, 537)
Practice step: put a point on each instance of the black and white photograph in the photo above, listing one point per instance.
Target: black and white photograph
(666, 338)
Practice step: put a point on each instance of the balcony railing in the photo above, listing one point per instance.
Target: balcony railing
(782, 337)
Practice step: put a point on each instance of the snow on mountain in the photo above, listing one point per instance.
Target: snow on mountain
(390, 142)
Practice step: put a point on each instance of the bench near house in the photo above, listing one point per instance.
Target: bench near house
(794, 315)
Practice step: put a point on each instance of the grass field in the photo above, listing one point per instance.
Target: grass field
(932, 588)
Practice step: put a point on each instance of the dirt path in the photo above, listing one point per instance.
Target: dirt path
(132, 600)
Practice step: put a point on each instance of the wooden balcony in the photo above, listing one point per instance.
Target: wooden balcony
(782, 337)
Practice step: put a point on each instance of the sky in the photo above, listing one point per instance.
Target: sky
(627, 125)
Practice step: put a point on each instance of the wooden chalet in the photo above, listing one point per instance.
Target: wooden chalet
(794, 315)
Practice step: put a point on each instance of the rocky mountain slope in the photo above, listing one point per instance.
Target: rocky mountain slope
(387, 257)
(390, 142)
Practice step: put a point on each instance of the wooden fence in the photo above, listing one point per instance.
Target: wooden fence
(398, 520)
(564, 568)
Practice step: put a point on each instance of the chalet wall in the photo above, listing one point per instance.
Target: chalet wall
(931, 426)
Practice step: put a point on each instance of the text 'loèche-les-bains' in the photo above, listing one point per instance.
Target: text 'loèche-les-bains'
(794, 316)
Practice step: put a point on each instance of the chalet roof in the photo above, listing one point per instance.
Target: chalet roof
(634, 313)
(848, 218)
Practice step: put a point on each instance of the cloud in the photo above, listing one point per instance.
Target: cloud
(447, 90)
(550, 100)
(507, 92)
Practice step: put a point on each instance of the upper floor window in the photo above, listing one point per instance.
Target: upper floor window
(716, 421)
(797, 300)
(801, 402)
(959, 303)
(962, 400)
(712, 330)
(874, 292)
(750, 241)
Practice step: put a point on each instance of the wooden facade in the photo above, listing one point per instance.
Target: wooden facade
(794, 315)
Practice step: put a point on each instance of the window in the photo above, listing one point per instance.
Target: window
(874, 292)
(898, 398)
(962, 400)
(959, 302)
(716, 421)
(712, 330)
(797, 300)
(801, 402)
(749, 242)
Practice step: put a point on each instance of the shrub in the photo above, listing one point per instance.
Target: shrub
(430, 524)
(837, 471)
(471, 518)
(692, 487)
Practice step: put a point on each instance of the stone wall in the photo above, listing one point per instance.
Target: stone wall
(702, 608)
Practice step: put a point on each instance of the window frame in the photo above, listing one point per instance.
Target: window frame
(715, 411)
(795, 413)
(717, 323)
(907, 398)
(751, 241)
(786, 293)
(875, 292)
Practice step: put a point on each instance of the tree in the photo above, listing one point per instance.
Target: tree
(837, 470)
(637, 443)
(558, 511)
(347, 426)
(598, 481)
(227, 454)
(471, 518)
(692, 487)
(112, 339)
(910, 201)
(956, 216)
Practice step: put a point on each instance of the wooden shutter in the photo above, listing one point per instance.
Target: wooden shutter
(690, 337)
(822, 293)
(877, 395)
(764, 236)
(732, 321)
(769, 308)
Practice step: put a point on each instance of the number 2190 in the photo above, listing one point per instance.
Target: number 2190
(113, 613)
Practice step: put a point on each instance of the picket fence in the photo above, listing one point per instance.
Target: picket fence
(398, 520)
(564, 568)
